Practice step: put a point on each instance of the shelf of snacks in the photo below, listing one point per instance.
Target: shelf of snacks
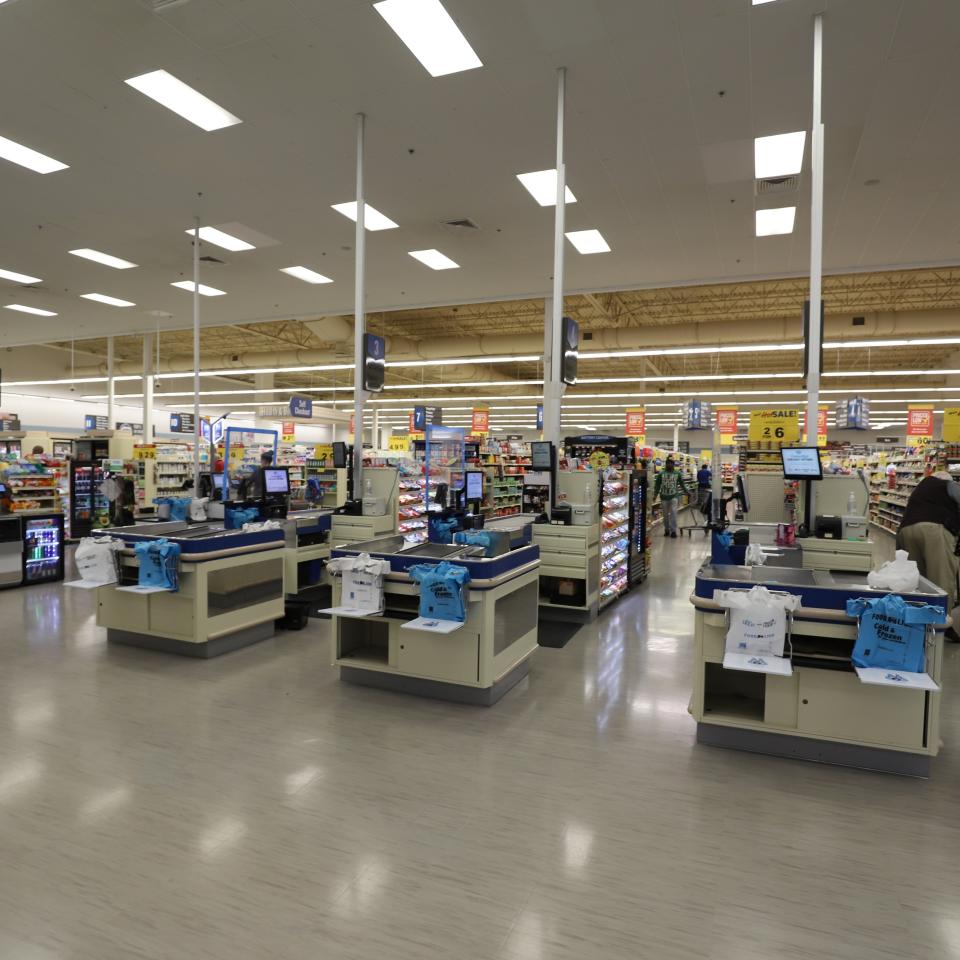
(33, 489)
(614, 536)
(894, 473)
(412, 511)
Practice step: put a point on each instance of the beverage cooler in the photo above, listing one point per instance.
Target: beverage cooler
(614, 535)
(31, 549)
(81, 498)
(42, 549)
(638, 563)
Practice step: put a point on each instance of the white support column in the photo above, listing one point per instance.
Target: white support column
(375, 439)
(148, 436)
(816, 245)
(198, 433)
(359, 315)
(553, 387)
(676, 438)
(111, 388)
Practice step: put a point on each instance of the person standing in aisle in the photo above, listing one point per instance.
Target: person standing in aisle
(704, 479)
(929, 530)
(668, 487)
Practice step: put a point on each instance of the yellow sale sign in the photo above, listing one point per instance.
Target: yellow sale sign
(399, 444)
(776, 425)
(951, 425)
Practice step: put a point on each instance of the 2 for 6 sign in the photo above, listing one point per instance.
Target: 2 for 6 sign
(780, 425)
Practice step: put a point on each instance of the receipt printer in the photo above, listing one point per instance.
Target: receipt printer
(854, 528)
(829, 528)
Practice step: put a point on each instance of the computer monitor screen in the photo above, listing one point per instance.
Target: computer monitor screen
(541, 455)
(275, 480)
(218, 481)
(474, 485)
(340, 455)
(801, 463)
(742, 494)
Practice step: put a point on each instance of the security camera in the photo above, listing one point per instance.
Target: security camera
(73, 389)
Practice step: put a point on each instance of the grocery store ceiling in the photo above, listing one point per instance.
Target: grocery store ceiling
(665, 97)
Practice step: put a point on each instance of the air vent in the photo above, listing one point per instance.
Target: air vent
(777, 185)
(859, 321)
(460, 224)
(209, 259)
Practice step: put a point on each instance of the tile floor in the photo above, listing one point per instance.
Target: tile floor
(254, 807)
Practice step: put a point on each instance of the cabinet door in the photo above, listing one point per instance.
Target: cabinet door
(836, 704)
(452, 656)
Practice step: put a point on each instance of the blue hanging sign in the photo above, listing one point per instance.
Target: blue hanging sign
(301, 407)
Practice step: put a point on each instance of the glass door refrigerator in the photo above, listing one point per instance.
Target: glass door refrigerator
(43, 549)
(81, 499)
(638, 565)
(614, 535)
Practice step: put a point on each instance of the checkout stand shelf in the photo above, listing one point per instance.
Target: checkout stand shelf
(823, 711)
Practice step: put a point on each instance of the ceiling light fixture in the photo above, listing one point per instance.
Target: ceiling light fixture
(105, 258)
(18, 277)
(31, 159)
(779, 156)
(430, 34)
(204, 290)
(775, 222)
(220, 239)
(373, 219)
(434, 259)
(588, 241)
(34, 310)
(183, 100)
(306, 274)
(111, 301)
(542, 186)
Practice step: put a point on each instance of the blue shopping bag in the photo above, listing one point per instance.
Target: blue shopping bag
(441, 590)
(892, 633)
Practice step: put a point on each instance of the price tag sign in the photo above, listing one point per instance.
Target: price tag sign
(951, 425)
(399, 444)
(145, 453)
(288, 431)
(779, 425)
(920, 422)
(323, 451)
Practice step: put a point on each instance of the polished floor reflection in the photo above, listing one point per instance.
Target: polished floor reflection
(253, 807)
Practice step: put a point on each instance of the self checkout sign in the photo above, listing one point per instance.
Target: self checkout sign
(780, 425)
(301, 407)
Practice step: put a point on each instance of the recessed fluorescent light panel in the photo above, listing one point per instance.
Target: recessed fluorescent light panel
(18, 277)
(108, 261)
(434, 259)
(111, 301)
(757, 3)
(204, 290)
(34, 310)
(31, 159)
(430, 34)
(306, 274)
(175, 95)
(220, 239)
(588, 241)
(779, 156)
(772, 223)
(542, 185)
(372, 219)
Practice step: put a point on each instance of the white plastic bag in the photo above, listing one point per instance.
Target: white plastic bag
(362, 586)
(754, 557)
(259, 525)
(899, 575)
(95, 559)
(758, 620)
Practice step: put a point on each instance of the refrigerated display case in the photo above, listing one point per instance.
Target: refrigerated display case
(638, 567)
(614, 535)
(42, 549)
(11, 551)
(81, 498)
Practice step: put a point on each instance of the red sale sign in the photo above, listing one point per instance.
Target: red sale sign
(726, 420)
(481, 421)
(920, 422)
(636, 423)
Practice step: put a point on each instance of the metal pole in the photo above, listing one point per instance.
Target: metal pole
(110, 386)
(676, 438)
(359, 316)
(148, 436)
(553, 388)
(198, 434)
(816, 245)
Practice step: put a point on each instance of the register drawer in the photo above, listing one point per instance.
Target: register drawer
(836, 704)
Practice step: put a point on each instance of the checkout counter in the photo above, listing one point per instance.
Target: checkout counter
(476, 662)
(822, 711)
(231, 590)
(376, 514)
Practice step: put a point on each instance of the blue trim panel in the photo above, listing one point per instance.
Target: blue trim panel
(478, 569)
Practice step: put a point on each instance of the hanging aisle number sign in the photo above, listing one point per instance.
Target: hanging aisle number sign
(780, 425)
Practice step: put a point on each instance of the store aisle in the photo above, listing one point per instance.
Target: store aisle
(253, 807)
